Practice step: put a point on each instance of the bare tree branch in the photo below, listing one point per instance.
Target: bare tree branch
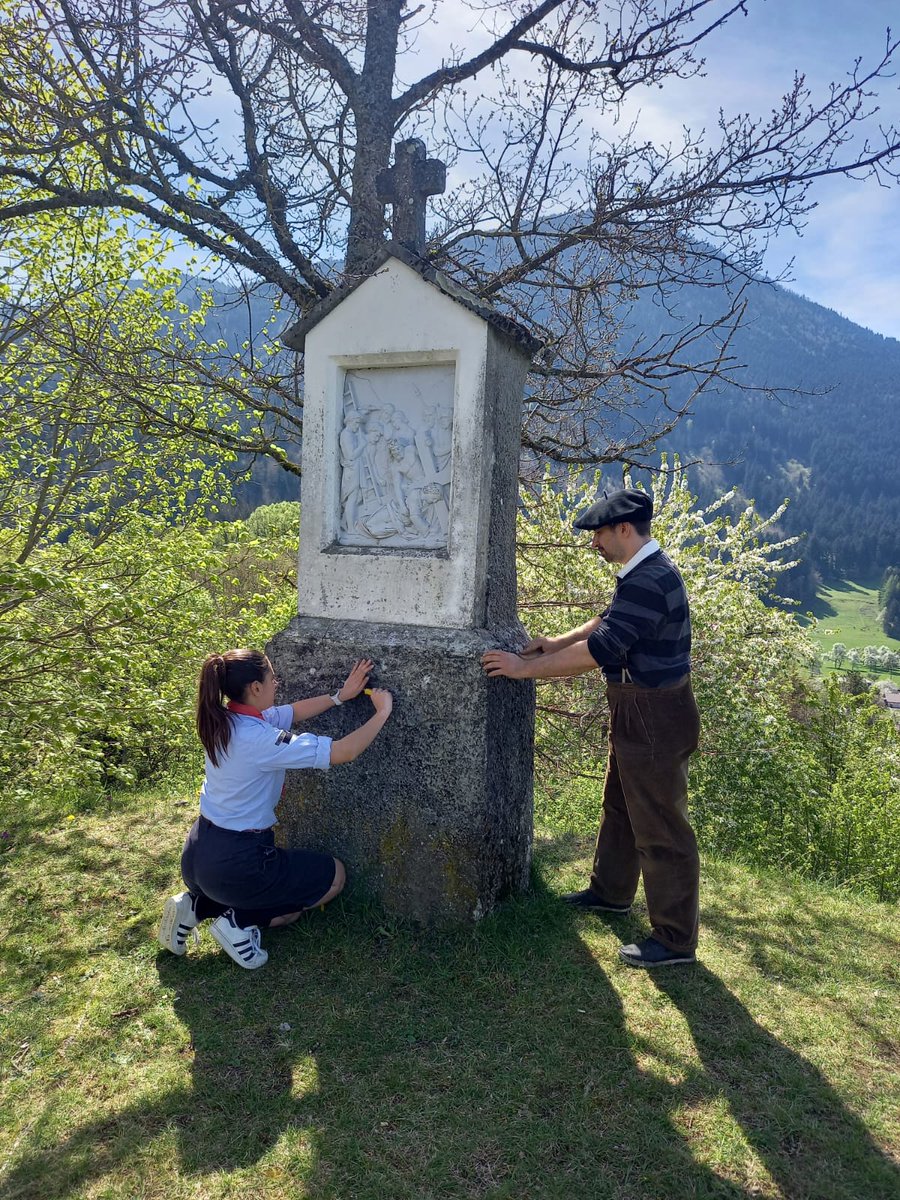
(257, 131)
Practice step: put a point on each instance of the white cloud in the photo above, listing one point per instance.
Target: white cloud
(849, 256)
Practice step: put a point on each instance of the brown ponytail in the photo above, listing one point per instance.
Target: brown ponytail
(224, 675)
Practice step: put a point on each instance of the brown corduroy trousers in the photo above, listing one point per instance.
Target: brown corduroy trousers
(644, 828)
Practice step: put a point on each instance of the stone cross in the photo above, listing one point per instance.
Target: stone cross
(406, 186)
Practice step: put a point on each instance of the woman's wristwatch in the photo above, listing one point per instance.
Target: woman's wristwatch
(336, 698)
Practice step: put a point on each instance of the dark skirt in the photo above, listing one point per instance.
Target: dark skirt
(249, 873)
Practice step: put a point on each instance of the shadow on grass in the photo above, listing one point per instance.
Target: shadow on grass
(821, 608)
(495, 1062)
(788, 1112)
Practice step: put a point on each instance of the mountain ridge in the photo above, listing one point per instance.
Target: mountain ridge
(834, 454)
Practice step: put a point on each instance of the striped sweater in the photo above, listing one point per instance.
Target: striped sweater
(647, 628)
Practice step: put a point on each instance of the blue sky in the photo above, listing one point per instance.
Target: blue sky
(848, 255)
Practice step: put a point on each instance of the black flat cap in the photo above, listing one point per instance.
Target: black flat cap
(613, 507)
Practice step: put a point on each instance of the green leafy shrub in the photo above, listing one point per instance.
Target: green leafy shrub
(104, 654)
(114, 582)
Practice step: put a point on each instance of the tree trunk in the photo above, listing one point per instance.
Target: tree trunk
(374, 114)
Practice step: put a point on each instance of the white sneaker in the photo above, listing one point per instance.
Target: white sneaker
(178, 921)
(242, 944)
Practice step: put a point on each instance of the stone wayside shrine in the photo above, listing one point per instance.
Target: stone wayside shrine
(412, 420)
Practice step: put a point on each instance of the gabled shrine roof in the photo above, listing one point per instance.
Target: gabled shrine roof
(295, 337)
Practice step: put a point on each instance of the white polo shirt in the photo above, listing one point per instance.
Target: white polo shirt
(242, 791)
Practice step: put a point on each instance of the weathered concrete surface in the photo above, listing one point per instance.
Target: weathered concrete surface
(435, 818)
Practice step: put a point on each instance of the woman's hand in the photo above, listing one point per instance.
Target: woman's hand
(356, 680)
(346, 749)
(383, 701)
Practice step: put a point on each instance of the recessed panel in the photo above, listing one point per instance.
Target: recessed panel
(395, 455)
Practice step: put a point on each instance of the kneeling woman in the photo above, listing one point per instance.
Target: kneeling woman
(232, 869)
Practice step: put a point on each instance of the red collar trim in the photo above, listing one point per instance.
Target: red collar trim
(244, 710)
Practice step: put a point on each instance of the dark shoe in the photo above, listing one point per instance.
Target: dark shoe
(651, 953)
(593, 903)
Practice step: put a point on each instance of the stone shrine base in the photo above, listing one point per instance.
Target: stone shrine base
(435, 818)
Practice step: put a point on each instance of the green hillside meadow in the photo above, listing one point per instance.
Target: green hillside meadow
(848, 612)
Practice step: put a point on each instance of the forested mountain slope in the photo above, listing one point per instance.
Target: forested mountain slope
(834, 454)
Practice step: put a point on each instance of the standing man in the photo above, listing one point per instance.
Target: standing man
(642, 643)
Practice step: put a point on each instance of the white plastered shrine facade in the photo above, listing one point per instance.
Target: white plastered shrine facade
(397, 456)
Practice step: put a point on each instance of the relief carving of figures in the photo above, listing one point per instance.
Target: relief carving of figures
(396, 457)
(353, 467)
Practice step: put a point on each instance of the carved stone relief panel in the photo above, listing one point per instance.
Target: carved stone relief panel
(395, 450)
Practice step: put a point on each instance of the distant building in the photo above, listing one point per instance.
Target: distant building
(888, 694)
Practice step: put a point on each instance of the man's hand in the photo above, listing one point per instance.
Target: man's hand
(499, 662)
(569, 660)
(540, 645)
(356, 680)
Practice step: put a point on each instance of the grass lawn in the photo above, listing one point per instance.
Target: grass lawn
(371, 1059)
(848, 612)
